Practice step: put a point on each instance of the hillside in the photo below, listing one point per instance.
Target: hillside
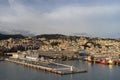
(50, 36)
(7, 36)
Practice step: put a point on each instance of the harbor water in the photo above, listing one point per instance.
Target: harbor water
(12, 71)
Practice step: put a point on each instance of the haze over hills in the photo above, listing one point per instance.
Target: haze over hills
(51, 36)
(15, 31)
(29, 33)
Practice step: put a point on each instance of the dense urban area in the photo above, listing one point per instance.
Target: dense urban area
(60, 43)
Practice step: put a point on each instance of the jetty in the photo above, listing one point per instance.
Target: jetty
(61, 69)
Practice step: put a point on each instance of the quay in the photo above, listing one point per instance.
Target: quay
(62, 70)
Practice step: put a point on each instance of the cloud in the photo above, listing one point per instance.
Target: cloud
(71, 12)
(86, 19)
(65, 19)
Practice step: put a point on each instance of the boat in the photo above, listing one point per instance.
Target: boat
(97, 60)
(103, 62)
(111, 62)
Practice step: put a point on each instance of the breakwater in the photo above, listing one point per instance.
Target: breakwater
(60, 69)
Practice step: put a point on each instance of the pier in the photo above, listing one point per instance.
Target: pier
(61, 69)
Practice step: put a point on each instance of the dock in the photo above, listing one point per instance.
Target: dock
(61, 69)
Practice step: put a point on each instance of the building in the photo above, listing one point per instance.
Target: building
(32, 57)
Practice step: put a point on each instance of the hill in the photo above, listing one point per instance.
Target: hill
(50, 36)
(7, 36)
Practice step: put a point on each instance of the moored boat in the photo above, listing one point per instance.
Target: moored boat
(111, 62)
(104, 62)
(97, 60)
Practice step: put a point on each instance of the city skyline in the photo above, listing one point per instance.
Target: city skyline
(96, 17)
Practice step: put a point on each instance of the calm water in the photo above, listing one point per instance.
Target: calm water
(11, 71)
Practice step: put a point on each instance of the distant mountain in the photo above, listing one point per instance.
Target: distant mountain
(7, 36)
(50, 36)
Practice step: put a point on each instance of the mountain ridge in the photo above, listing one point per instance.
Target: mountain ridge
(7, 36)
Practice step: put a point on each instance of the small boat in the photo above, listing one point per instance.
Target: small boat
(111, 62)
(104, 62)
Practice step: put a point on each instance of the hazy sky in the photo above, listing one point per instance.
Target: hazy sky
(98, 17)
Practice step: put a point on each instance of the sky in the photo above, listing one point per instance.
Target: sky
(94, 17)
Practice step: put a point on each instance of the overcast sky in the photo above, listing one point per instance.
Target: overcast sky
(96, 17)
